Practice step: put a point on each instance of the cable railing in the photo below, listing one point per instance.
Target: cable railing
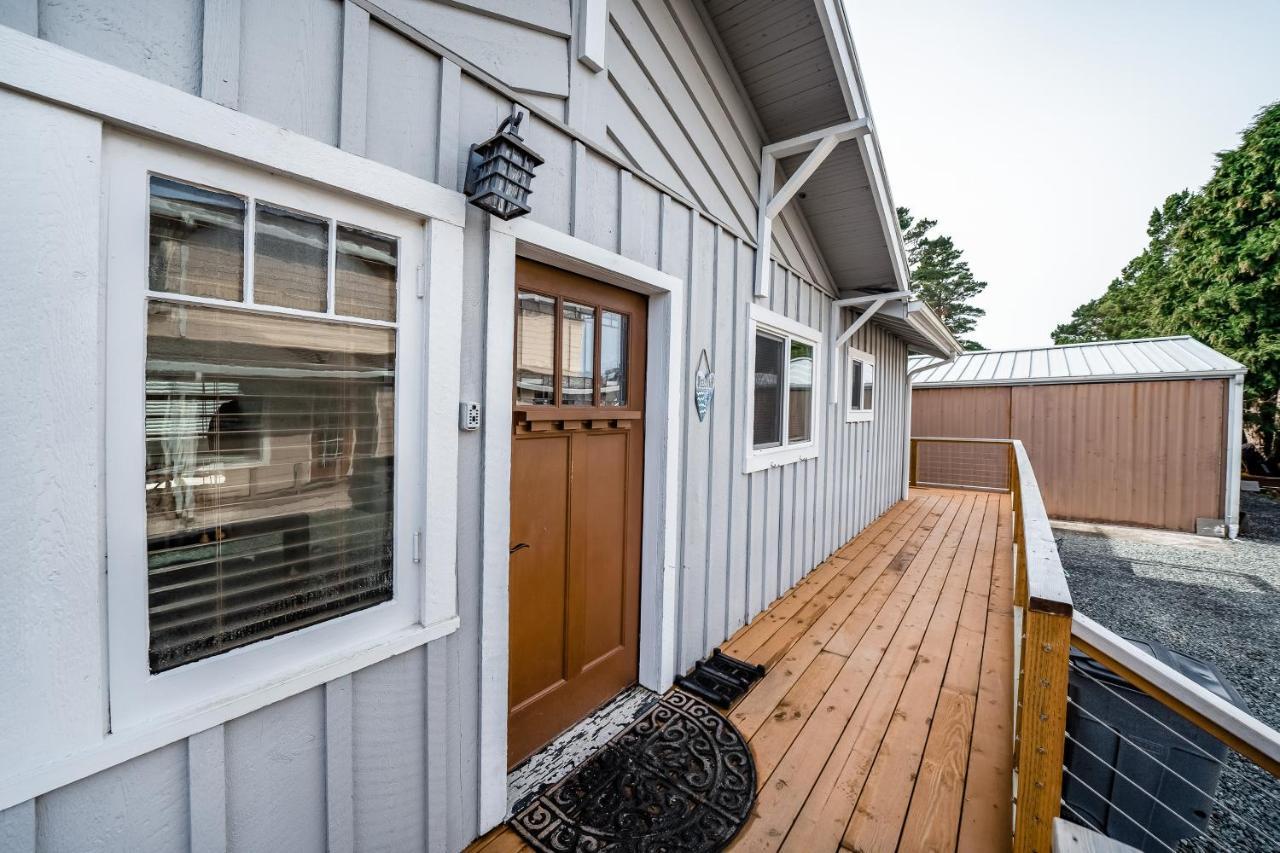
(1192, 771)
(1126, 745)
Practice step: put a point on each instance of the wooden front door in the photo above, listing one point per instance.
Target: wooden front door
(577, 458)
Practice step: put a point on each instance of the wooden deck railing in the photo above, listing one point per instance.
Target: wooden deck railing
(1043, 611)
(1049, 627)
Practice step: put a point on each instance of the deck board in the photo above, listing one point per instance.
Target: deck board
(884, 721)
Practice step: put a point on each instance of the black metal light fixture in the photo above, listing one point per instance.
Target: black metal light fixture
(500, 171)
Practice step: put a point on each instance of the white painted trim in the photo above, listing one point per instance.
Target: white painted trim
(1235, 427)
(771, 200)
(591, 27)
(139, 697)
(861, 415)
(663, 398)
(759, 317)
(121, 98)
(266, 672)
(495, 525)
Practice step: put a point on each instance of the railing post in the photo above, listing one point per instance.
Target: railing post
(1042, 696)
(913, 480)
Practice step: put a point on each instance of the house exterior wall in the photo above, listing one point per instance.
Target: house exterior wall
(1151, 454)
(386, 758)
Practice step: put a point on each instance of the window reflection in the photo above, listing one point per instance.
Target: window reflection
(290, 259)
(196, 241)
(767, 415)
(855, 384)
(868, 385)
(365, 284)
(535, 350)
(269, 454)
(613, 358)
(577, 355)
(800, 392)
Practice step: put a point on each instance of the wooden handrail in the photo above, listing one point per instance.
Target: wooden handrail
(1203, 709)
(1042, 594)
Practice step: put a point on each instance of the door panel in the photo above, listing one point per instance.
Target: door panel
(576, 476)
(539, 570)
(604, 530)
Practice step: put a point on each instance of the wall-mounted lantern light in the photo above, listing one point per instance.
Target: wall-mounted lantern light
(500, 171)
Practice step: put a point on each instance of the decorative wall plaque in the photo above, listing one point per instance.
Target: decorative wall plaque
(704, 386)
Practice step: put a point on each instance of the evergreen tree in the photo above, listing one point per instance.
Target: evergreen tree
(1212, 270)
(941, 277)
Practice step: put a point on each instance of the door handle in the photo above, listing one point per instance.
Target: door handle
(519, 546)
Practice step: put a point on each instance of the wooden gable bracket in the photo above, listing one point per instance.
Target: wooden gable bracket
(771, 201)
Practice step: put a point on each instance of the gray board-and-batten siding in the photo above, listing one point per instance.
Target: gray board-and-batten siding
(386, 758)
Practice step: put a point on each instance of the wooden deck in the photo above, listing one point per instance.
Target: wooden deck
(884, 722)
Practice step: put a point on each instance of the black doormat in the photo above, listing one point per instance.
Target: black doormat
(720, 679)
(679, 778)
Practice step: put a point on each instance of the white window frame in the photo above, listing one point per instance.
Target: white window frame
(859, 413)
(761, 319)
(418, 610)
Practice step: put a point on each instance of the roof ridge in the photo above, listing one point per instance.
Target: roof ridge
(1082, 344)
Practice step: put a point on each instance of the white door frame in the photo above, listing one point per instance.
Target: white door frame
(663, 392)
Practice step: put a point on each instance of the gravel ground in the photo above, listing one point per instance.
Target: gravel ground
(1218, 601)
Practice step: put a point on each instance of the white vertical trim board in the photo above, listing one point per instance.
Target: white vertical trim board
(220, 55)
(207, 790)
(339, 757)
(354, 98)
(590, 28)
(1235, 427)
(496, 528)
(664, 389)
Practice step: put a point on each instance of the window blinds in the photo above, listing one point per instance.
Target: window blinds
(270, 438)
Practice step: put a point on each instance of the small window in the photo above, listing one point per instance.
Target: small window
(783, 393)
(570, 353)
(860, 380)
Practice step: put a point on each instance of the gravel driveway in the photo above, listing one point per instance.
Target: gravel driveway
(1211, 599)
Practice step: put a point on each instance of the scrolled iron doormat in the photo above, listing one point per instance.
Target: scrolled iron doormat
(679, 778)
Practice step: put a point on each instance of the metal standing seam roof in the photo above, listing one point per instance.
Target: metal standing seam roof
(1180, 357)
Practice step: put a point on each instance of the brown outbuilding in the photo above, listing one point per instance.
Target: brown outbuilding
(1141, 432)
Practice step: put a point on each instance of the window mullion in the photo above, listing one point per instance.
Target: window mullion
(331, 281)
(784, 385)
(250, 246)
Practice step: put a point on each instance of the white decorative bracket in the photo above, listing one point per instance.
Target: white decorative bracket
(874, 303)
(770, 202)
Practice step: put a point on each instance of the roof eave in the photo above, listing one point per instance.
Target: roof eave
(835, 25)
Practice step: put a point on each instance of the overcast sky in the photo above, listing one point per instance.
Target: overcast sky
(1041, 133)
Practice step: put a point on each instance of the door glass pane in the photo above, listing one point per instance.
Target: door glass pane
(197, 241)
(868, 384)
(269, 454)
(535, 350)
(800, 391)
(855, 384)
(290, 259)
(613, 358)
(767, 417)
(577, 355)
(365, 278)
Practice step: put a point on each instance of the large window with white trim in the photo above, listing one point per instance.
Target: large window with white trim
(783, 390)
(267, 491)
(860, 384)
